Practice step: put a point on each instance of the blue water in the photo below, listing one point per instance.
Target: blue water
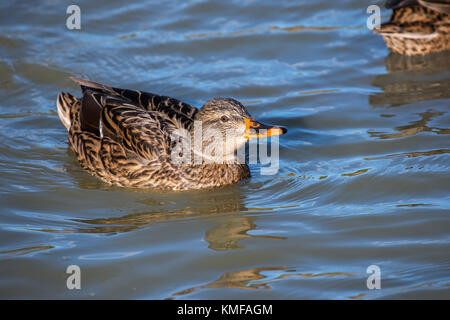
(364, 167)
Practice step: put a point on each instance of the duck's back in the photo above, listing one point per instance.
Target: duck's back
(124, 136)
(417, 26)
(97, 96)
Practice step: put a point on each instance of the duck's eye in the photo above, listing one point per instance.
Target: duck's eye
(224, 118)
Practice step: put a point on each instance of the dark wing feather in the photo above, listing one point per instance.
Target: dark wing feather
(442, 6)
(147, 134)
(90, 110)
(416, 20)
(395, 4)
(91, 85)
(180, 113)
(141, 122)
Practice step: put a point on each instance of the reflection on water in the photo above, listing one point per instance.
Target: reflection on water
(412, 78)
(414, 205)
(411, 154)
(242, 279)
(261, 278)
(363, 175)
(225, 236)
(260, 30)
(25, 251)
(358, 172)
(425, 64)
(414, 128)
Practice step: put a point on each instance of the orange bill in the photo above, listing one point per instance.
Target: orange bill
(255, 129)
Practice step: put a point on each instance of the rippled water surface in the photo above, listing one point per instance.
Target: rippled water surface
(364, 168)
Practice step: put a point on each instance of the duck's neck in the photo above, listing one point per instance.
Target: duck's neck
(209, 149)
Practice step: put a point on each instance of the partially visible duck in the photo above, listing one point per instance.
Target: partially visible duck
(126, 137)
(417, 26)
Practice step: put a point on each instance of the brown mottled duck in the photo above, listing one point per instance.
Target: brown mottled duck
(127, 137)
(417, 26)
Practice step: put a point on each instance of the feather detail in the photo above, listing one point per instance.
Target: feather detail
(417, 26)
(124, 137)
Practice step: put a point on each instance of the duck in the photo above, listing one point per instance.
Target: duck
(417, 27)
(137, 139)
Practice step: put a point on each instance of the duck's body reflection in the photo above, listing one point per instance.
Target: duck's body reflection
(410, 79)
(231, 226)
(413, 128)
(254, 278)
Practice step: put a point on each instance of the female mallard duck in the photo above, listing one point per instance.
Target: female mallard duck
(129, 138)
(417, 26)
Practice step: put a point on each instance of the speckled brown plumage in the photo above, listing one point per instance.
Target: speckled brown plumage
(124, 137)
(417, 26)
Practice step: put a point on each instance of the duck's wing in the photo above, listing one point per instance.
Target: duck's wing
(395, 4)
(180, 113)
(411, 22)
(415, 30)
(442, 6)
(147, 134)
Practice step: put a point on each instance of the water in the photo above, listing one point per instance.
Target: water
(363, 176)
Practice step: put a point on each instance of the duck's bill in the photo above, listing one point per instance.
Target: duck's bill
(255, 129)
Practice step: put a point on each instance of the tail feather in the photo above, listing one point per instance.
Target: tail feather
(91, 85)
(64, 102)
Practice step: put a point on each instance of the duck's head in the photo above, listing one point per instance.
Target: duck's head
(228, 119)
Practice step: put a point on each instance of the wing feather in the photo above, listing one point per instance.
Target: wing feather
(141, 122)
(145, 133)
(442, 6)
(180, 113)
